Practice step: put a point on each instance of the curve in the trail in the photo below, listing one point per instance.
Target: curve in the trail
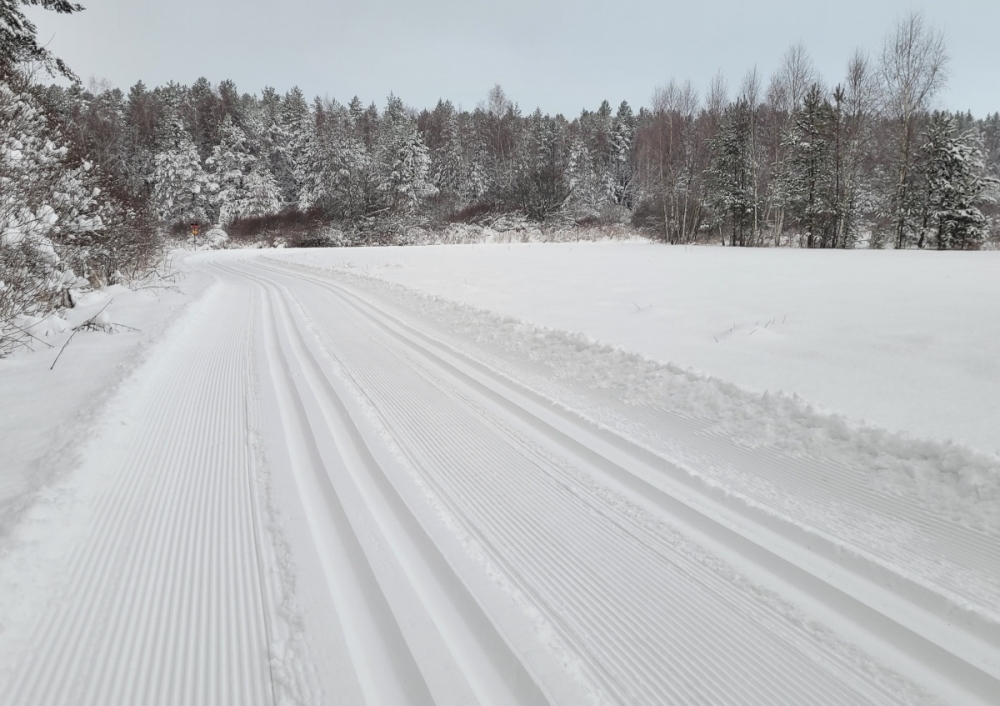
(611, 583)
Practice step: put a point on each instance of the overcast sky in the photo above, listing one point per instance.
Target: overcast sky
(559, 55)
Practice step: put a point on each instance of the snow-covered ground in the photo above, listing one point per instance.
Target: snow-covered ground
(47, 407)
(906, 340)
(313, 484)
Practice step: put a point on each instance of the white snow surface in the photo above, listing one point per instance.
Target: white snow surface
(46, 414)
(908, 340)
(471, 475)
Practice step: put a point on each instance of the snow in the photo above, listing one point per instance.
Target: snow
(903, 340)
(488, 474)
(46, 414)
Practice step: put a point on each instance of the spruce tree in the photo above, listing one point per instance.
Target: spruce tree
(180, 185)
(245, 186)
(956, 185)
(448, 161)
(403, 160)
(622, 166)
(731, 174)
(808, 181)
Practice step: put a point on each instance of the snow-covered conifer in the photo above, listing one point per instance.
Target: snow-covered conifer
(45, 205)
(449, 161)
(956, 185)
(730, 178)
(808, 178)
(245, 186)
(403, 159)
(180, 185)
(620, 184)
(18, 42)
(586, 191)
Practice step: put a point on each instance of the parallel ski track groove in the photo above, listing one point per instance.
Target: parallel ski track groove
(989, 557)
(552, 562)
(357, 305)
(373, 602)
(618, 645)
(168, 566)
(848, 501)
(507, 662)
(614, 644)
(966, 547)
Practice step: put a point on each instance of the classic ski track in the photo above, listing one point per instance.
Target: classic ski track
(962, 565)
(846, 488)
(646, 578)
(617, 646)
(929, 654)
(164, 604)
(345, 471)
(960, 562)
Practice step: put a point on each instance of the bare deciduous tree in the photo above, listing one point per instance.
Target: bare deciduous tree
(792, 80)
(913, 68)
(751, 93)
(855, 102)
(667, 156)
(785, 93)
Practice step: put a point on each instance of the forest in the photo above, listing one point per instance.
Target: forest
(95, 181)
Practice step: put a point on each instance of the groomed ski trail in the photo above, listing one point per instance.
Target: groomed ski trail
(455, 538)
(513, 483)
(165, 600)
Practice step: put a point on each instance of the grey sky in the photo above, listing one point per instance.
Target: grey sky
(554, 54)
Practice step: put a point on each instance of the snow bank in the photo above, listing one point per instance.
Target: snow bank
(904, 340)
(952, 479)
(45, 415)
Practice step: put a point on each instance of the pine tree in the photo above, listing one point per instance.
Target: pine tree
(296, 127)
(585, 190)
(598, 128)
(204, 115)
(403, 159)
(47, 207)
(260, 195)
(18, 43)
(448, 163)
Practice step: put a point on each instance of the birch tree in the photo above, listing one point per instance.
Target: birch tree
(912, 69)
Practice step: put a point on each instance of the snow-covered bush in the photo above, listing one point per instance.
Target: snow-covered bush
(45, 203)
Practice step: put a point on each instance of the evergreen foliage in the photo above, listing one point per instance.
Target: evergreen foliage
(808, 183)
(731, 174)
(18, 43)
(181, 188)
(243, 185)
(956, 185)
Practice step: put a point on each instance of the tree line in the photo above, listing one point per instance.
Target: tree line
(93, 178)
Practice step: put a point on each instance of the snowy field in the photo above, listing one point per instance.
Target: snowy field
(536, 474)
(908, 341)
